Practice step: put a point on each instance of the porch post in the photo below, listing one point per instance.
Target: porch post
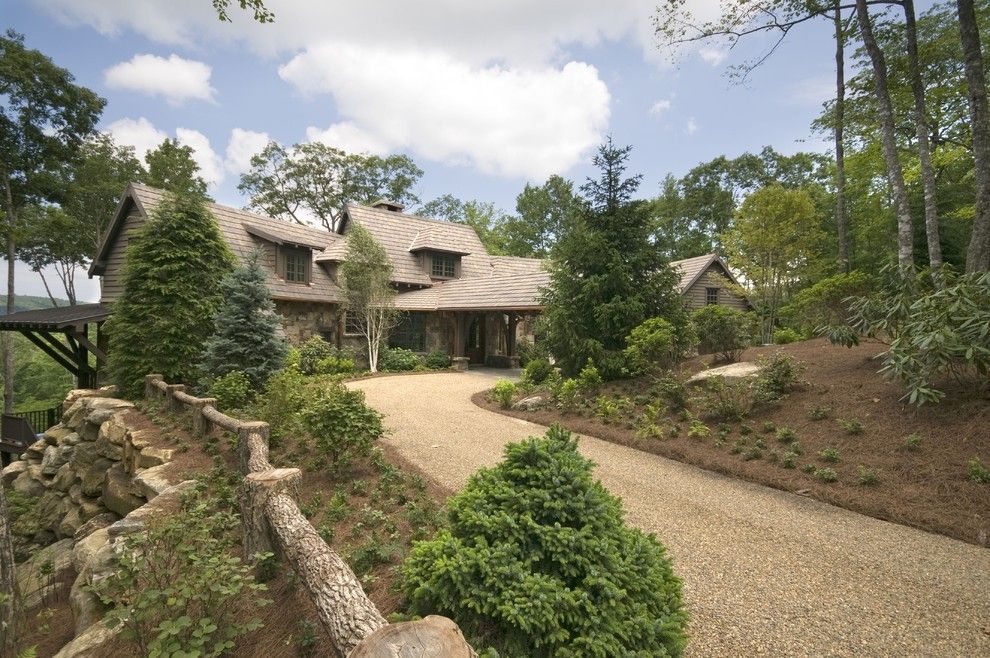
(510, 338)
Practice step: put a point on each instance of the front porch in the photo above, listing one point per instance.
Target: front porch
(484, 337)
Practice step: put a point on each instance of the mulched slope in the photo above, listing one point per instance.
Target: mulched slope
(927, 488)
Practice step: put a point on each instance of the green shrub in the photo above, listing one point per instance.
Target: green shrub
(528, 351)
(830, 455)
(537, 371)
(789, 460)
(503, 392)
(819, 413)
(567, 394)
(656, 345)
(342, 425)
(178, 590)
(867, 476)
(978, 472)
(912, 441)
(314, 350)
(785, 336)
(851, 426)
(698, 430)
(671, 391)
(279, 404)
(754, 452)
(826, 303)
(537, 561)
(786, 435)
(721, 331)
(397, 359)
(726, 401)
(337, 362)
(778, 376)
(826, 474)
(437, 360)
(232, 390)
(588, 380)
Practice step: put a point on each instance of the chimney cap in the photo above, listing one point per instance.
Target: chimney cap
(385, 204)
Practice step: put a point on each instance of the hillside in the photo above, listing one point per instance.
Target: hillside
(30, 303)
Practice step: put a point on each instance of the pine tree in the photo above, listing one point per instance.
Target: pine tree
(248, 336)
(172, 277)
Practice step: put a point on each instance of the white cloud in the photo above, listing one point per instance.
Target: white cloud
(139, 133)
(812, 91)
(713, 56)
(175, 79)
(348, 136)
(210, 164)
(692, 126)
(660, 107)
(508, 121)
(241, 147)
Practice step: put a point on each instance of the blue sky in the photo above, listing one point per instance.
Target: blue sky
(483, 98)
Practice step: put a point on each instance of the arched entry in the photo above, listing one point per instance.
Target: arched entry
(475, 348)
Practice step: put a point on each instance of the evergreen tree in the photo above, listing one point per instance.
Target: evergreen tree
(248, 336)
(607, 275)
(172, 290)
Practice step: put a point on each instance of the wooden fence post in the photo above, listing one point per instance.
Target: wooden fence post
(150, 390)
(171, 404)
(258, 487)
(252, 447)
(201, 424)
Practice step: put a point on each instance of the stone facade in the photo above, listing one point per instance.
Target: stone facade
(303, 320)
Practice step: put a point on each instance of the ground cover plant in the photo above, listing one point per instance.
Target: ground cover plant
(537, 561)
(895, 461)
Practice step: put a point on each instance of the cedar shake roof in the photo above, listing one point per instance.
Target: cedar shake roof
(437, 238)
(244, 232)
(692, 269)
(511, 292)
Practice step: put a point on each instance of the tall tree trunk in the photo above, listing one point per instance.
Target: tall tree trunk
(8, 338)
(8, 578)
(924, 146)
(895, 175)
(978, 254)
(841, 220)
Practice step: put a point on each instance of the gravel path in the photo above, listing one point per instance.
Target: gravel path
(766, 573)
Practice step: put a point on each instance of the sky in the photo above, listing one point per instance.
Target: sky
(485, 97)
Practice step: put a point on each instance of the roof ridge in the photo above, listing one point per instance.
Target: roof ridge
(408, 215)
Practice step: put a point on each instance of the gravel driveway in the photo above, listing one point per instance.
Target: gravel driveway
(766, 573)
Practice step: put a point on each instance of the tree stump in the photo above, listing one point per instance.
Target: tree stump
(201, 424)
(432, 637)
(257, 489)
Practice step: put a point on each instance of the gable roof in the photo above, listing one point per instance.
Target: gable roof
(692, 269)
(242, 230)
(515, 292)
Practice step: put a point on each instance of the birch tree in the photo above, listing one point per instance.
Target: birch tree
(367, 275)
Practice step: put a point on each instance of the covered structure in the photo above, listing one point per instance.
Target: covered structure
(66, 334)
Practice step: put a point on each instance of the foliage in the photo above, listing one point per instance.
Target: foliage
(851, 426)
(978, 472)
(232, 390)
(945, 332)
(775, 230)
(819, 412)
(248, 335)
(177, 590)
(671, 391)
(785, 336)
(171, 167)
(437, 360)
(721, 331)
(867, 477)
(778, 376)
(316, 180)
(39, 382)
(503, 392)
(606, 277)
(280, 402)
(343, 426)
(588, 380)
(830, 455)
(545, 213)
(172, 290)
(312, 351)
(656, 344)
(826, 302)
(398, 359)
(566, 394)
(529, 350)
(537, 371)
(340, 362)
(487, 220)
(726, 401)
(366, 280)
(537, 561)
(826, 474)
(912, 441)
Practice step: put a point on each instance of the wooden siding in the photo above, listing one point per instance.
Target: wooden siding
(112, 281)
(713, 278)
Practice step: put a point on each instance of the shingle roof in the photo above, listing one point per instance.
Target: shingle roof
(236, 227)
(438, 238)
(690, 269)
(518, 292)
(55, 318)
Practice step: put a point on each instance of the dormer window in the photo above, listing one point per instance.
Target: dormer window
(295, 265)
(444, 266)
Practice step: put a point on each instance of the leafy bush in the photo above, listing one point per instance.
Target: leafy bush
(606, 409)
(503, 392)
(912, 441)
(397, 359)
(830, 455)
(867, 476)
(340, 362)
(721, 331)
(537, 561)
(178, 590)
(826, 474)
(726, 401)
(588, 380)
(851, 426)
(785, 336)
(280, 402)
(341, 423)
(978, 472)
(826, 303)
(819, 412)
(311, 352)
(656, 344)
(778, 376)
(437, 360)
(566, 394)
(231, 390)
(671, 391)
(529, 351)
(537, 371)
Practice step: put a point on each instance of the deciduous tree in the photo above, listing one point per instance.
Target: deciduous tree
(171, 167)
(366, 274)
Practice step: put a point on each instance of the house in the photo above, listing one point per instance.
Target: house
(454, 295)
(707, 280)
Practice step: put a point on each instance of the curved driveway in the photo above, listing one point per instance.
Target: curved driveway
(766, 573)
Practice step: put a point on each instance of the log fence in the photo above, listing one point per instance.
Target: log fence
(273, 524)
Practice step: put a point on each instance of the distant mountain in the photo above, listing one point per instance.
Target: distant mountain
(29, 303)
